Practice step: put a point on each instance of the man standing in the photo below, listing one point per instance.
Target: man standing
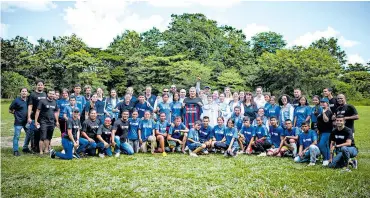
(149, 97)
(182, 95)
(344, 145)
(297, 96)
(47, 111)
(19, 109)
(33, 133)
(87, 89)
(348, 111)
(333, 104)
(259, 99)
(192, 108)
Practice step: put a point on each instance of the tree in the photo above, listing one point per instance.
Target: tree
(331, 45)
(14, 52)
(267, 42)
(126, 44)
(357, 67)
(11, 83)
(232, 79)
(152, 42)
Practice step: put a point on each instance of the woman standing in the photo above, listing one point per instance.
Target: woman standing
(315, 111)
(325, 126)
(302, 113)
(164, 107)
(211, 109)
(110, 104)
(235, 102)
(287, 110)
(274, 110)
(250, 108)
(224, 108)
(176, 107)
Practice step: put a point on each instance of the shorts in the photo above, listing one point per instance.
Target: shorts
(195, 145)
(46, 132)
(172, 143)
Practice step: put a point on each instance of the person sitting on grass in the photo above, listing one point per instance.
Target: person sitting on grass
(265, 120)
(229, 143)
(245, 136)
(193, 141)
(261, 140)
(71, 139)
(89, 131)
(104, 136)
(162, 131)
(343, 145)
(218, 133)
(133, 136)
(205, 133)
(308, 150)
(147, 133)
(119, 135)
(276, 133)
(177, 136)
(288, 145)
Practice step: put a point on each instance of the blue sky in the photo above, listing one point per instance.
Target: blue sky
(97, 22)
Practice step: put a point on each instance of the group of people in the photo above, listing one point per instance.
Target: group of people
(201, 122)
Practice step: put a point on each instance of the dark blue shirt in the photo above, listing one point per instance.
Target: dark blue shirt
(20, 108)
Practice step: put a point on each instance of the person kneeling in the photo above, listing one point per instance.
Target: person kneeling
(147, 133)
(261, 141)
(231, 136)
(119, 135)
(177, 136)
(104, 136)
(308, 150)
(193, 140)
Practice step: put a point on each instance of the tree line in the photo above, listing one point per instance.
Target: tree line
(192, 46)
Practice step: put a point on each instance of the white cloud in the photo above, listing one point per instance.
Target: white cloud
(36, 5)
(355, 58)
(4, 30)
(252, 29)
(187, 3)
(306, 39)
(32, 40)
(98, 22)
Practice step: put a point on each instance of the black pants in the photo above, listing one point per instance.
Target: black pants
(35, 140)
(261, 146)
(63, 126)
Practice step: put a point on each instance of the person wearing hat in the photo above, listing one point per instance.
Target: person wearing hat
(71, 139)
(324, 128)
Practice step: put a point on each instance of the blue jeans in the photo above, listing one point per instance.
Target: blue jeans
(30, 135)
(85, 145)
(343, 154)
(17, 133)
(324, 145)
(68, 148)
(310, 155)
(124, 146)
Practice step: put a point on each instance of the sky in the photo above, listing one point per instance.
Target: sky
(97, 22)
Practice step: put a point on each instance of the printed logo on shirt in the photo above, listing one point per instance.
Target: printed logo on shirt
(307, 140)
(49, 106)
(124, 127)
(218, 131)
(275, 134)
(339, 137)
(39, 98)
(76, 126)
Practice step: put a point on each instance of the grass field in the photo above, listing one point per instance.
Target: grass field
(145, 175)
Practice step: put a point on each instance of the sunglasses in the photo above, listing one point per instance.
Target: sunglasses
(165, 91)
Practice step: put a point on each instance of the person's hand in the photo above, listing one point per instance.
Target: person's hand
(229, 150)
(141, 141)
(91, 140)
(57, 124)
(199, 103)
(164, 134)
(76, 145)
(300, 154)
(37, 125)
(113, 143)
(106, 145)
(277, 151)
(179, 141)
(29, 121)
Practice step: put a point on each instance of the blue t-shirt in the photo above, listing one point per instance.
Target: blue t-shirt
(306, 139)
(248, 133)
(163, 127)
(194, 135)
(293, 132)
(165, 108)
(301, 112)
(142, 107)
(238, 120)
(218, 132)
(176, 110)
(260, 132)
(20, 108)
(315, 111)
(146, 127)
(176, 135)
(99, 107)
(231, 133)
(151, 100)
(205, 133)
(273, 111)
(80, 102)
(266, 107)
(62, 104)
(133, 129)
(69, 111)
(275, 134)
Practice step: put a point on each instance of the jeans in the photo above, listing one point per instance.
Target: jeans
(68, 148)
(85, 145)
(135, 145)
(343, 154)
(17, 133)
(310, 155)
(102, 149)
(30, 136)
(124, 146)
(324, 145)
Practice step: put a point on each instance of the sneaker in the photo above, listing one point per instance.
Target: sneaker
(186, 148)
(16, 153)
(205, 152)
(263, 154)
(225, 154)
(311, 164)
(52, 153)
(346, 170)
(214, 150)
(63, 151)
(75, 155)
(240, 152)
(117, 154)
(325, 163)
(193, 154)
(354, 163)
(164, 154)
(101, 155)
(222, 151)
(167, 149)
(27, 150)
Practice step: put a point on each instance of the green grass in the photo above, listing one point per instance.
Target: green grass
(144, 175)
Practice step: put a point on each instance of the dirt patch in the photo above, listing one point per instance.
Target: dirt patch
(8, 142)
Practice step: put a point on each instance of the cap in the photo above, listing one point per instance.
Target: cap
(207, 87)
(324, 100)
(76, 110)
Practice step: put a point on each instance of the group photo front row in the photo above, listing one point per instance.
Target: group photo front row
(199, 123)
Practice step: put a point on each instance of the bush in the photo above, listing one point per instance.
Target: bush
(11, 83)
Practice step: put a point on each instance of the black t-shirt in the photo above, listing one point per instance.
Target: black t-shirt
(121, 128)
(47, 110)
(20, 111)
(122, 106)
(33, 100)
(295, 102)
(333, 104)
(74, 125)
(91, 128)
(340, 137)
(347, 110)
(192, 100)
(105, 132)
(325, 127)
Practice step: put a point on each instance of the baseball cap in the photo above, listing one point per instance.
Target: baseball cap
(76, 110)
(207, 87)
(324, 100)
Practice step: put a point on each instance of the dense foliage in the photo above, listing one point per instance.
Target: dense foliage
(192, 46)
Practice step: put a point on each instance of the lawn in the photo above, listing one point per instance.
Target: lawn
(145, 175)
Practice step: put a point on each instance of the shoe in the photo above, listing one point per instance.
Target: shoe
(225, 154)
(75, 155)
(27, 150)
(16, 153)
(346, 170)
(354, 163)
(63, 151)
(222, 151)
(164, 154)
(205, 152)
(311, 164)
(240, 152)
(186, 148)
(101, 155)
(325, 163)
(167, 149)
(117, 154)
(52, 153)
(214, 150)
(193, 154)
(263, 154)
